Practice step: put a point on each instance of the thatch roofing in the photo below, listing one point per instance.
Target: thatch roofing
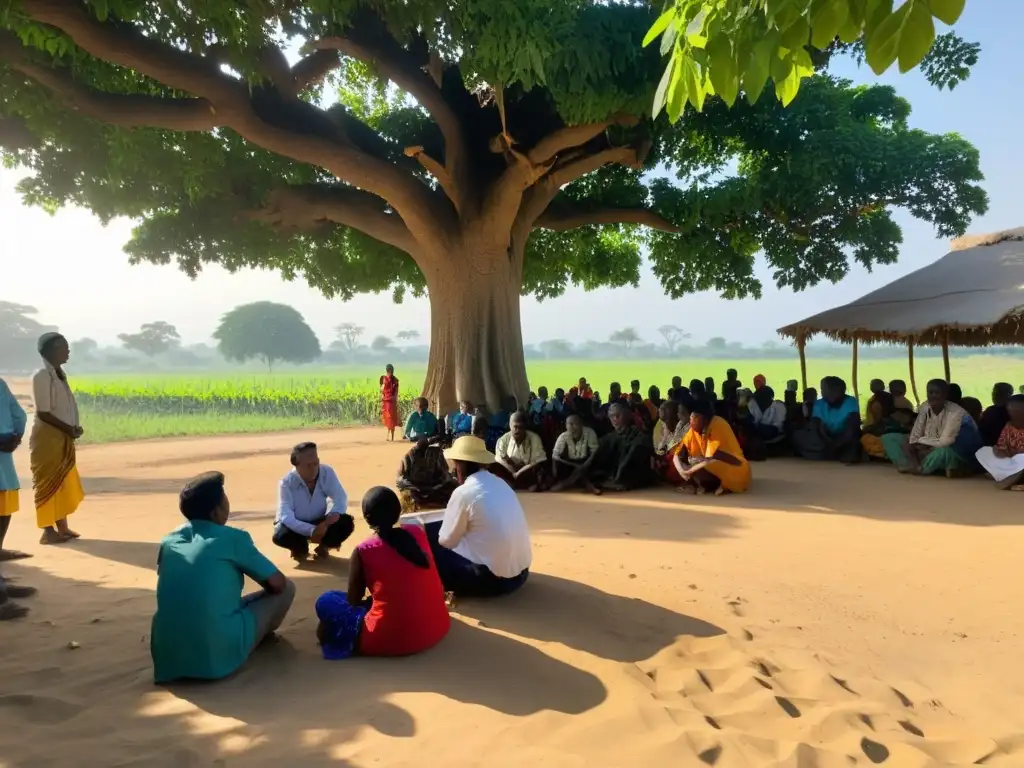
(975, 294)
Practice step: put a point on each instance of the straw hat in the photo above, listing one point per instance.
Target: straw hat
(469, 448)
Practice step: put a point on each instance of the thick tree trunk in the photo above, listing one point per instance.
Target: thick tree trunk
(476, 341)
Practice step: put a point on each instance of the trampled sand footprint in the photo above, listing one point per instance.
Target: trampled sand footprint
(40, 710)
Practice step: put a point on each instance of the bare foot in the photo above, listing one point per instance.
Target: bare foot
(10, 611)
(594, 489)
(720, 491)
(66, 532)
(51, 536)
(6, 555)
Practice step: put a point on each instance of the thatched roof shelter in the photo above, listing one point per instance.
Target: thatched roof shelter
(973, 296)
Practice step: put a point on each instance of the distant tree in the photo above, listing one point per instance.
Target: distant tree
(348, 335)
(266, 331)
(770, 346)
(673, 335)
(717, 344)
(18, 334)
(409, 335)
(627, 337)
(152, 339)
(555, 349)
(381, 344)
(84, 348)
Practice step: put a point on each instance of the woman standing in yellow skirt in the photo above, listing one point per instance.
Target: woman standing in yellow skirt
(55, 480)
(12, 429)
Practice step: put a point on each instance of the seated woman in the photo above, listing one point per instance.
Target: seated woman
(573, 456)
(898, 390)
(424, 480)
(883, 419)
(653, 402)
(709, 457)
(311, 507)
(203, 628)
(405, 612)
(669, 431)
(995, 417)
(520, 453)
(482, 546)
(421, 422)
(1005, 460)
(944, 438)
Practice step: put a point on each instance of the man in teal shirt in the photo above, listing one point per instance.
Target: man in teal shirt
(421, 422)
(203, 627)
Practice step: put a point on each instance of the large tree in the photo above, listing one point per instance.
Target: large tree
(152, 339)
(514, 155)
(267, 331)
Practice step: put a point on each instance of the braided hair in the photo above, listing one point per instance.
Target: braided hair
(381, 510)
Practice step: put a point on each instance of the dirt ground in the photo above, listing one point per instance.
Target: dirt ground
(834, 616)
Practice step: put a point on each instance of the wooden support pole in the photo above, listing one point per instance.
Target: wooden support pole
(856, 394)
(913, 381)
(945, 354)
(801, 342)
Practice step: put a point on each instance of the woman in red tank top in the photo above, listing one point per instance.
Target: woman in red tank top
(406, 611)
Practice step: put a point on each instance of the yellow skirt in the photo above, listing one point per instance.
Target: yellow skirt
(63, 503)
(9, 502)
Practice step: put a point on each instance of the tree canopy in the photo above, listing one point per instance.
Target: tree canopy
(514, 155)
(266, 331)
(152, 339)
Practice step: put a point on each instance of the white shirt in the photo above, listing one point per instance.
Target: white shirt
(300, 509)
(52, 395)
(484, 523)
(576, 450)
(938, 430)
(526, 453)
(774, 416)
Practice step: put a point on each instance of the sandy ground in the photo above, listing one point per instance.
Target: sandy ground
(833, 617)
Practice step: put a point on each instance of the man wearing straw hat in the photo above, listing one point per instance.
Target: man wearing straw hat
(482, 544)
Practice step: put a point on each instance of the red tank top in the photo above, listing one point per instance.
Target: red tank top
(408, 614)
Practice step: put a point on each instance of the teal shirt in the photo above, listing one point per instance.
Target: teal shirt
(420, 425)
(201, 630)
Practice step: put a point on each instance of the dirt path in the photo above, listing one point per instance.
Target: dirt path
(864, 614)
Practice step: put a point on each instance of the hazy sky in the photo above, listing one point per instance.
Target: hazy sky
(73, 269)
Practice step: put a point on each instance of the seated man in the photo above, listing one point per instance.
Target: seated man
(461, 423)
(898, 390)
(768, 416)
(996, 415)
(203, 628)
(672, 425)
(521, 453)
(624, 455)
(302, 513)
(421, 422)
(482, 546)
(573, 455)
(833, 433)
(944, 438)
(424, 479)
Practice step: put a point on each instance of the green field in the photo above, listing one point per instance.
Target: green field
(133, 407)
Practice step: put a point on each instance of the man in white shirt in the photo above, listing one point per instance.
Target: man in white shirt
(302, 510)
(943, 440)
(573, 456)
(768, 415)
(521, 453)
(482, 545)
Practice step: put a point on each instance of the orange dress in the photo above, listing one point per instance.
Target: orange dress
(718, 436)
(389, 401)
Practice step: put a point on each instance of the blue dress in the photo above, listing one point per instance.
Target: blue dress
(12, 422)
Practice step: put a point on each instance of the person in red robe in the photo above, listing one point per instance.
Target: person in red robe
(389, 401)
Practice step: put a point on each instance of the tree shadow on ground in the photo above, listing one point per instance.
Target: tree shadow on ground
(552, 609)
(872, 490)
(127, 486)
(655, 514)
(286, 705)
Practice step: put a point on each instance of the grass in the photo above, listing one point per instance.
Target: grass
(134, 407)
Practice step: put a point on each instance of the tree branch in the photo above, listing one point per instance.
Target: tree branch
(562, 174)
(125, 110)
(314, 68)
(562, 218)
(573, 136)
(369, 41)
(308, 206)
(424, 212)
(438, 171)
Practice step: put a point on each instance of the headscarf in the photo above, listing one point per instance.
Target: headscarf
(759, 381)
(46, 339)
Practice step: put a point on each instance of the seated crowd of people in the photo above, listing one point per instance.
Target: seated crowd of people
(402, 578)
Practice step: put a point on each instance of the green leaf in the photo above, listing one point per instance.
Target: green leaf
(668, 39)
(661, 94)
(875, 13)
(947, 11)
(787, 88)
(659, 26)
(538, 64)
(722, 69)
(757, 71)
(678, 90)
(797, 34)
(827, 17)
(882, 46)
(917, 36)
(697, 84)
